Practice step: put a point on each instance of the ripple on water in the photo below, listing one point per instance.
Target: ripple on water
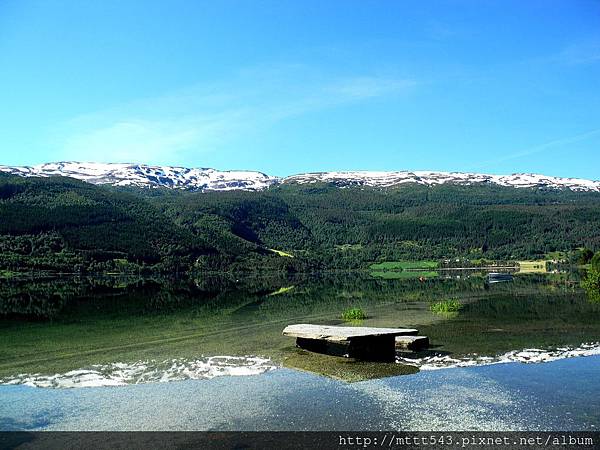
(529, 355)
(121, 374)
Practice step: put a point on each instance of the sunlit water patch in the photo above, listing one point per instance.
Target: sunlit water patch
(530, 355)
(121, 374)
(442, 401)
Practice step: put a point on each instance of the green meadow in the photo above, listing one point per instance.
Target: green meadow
(404, 265)
(396, 275)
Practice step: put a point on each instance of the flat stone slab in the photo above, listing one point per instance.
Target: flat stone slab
(414, 343)
(340, 334)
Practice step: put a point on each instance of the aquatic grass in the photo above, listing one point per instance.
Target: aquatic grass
(173, 323)
(450, 305)
(352, 314)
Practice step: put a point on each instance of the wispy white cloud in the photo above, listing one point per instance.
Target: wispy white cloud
(587, 52)
(139, 140)
(368, 87)
(555, 143)
(203, 118)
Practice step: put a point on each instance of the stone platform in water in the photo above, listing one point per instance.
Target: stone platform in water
(368, 343)
(414, 343)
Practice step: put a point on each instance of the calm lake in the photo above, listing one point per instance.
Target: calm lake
(133, 353)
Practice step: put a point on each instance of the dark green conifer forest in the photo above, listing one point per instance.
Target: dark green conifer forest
(63, 225)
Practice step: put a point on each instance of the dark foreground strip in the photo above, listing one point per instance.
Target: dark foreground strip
(299, 440)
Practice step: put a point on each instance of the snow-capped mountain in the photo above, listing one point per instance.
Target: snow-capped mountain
(389, 179)
(141, 175)
(204, 179)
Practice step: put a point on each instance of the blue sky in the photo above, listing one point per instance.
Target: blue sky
(295, 86)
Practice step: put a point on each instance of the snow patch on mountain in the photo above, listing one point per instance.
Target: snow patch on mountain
(429, 178)
(141, 175)
(206, 179)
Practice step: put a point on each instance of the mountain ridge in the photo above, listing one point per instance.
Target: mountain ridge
(208, 179)
(64, 225)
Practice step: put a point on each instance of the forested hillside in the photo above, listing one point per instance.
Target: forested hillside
(61, 224)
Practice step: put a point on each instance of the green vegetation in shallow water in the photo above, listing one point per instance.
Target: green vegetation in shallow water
(354, 314)
(451, 305)
(56, 325)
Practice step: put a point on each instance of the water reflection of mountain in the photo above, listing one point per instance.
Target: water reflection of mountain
(55, 325)
(80, 298)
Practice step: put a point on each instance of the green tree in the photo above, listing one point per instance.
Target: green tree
(596, 261)
(591, 284)
(585, 256)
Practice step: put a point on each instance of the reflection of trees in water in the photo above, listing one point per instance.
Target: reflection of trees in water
(524, 307)
(35, 300)
(80, 298)
(51, 298)
(527, 295)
